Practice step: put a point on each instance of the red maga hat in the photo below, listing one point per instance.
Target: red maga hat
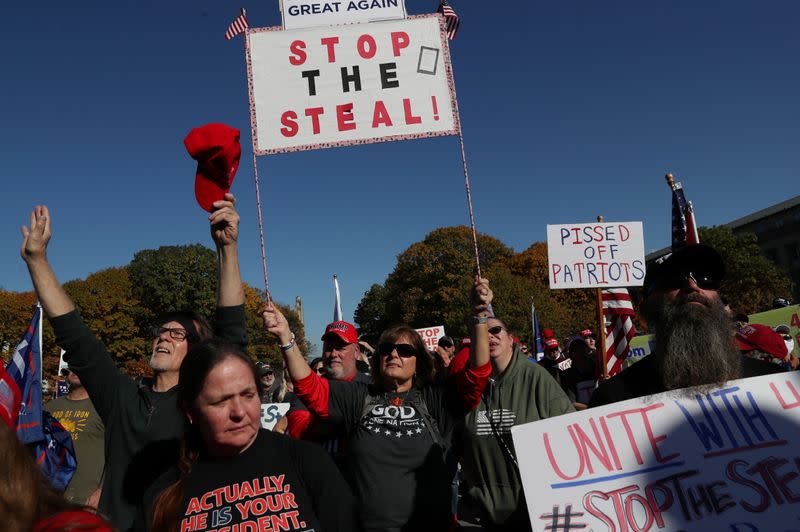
(216, 149)
(342, 329)
(760, 337)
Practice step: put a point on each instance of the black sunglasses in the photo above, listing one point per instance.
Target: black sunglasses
(681, 279)
(404, 350)
(495, 330)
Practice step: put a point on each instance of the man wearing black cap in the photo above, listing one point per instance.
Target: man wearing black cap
(694, 343)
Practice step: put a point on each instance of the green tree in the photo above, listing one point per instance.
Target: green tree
(261, 345)
(175, 278)
(752, 281)
(371, 313)
(109, 307)
(431, 281)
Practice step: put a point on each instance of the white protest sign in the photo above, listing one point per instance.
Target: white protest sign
(305, 13)
(355, 84)
(431, 335)
(271, 413)
(596, 255)
(727, 460)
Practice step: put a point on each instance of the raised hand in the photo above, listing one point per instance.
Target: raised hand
(275, 323)
(224, 221)
(35, 238)
(481, 296)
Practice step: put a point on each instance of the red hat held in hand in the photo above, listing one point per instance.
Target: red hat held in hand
(216, 149)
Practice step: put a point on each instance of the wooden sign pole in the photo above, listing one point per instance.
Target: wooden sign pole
(602, 366)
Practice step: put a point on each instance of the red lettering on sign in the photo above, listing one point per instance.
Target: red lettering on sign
(344, 117)
(366, 46)
(330, 42)
(289, 121)
(314, 113)
(399, 41)
(298, 49)
(380, 116)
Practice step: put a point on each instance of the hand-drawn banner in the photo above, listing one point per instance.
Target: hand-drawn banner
(354, 84)
(308, 13)
(727, 460)
(431, 335)
(596, 255)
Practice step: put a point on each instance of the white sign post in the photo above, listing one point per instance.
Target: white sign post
(308, 13)
(354, 84)
(596, 255)
(727, 460)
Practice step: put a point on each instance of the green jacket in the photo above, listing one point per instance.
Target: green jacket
(525, 392)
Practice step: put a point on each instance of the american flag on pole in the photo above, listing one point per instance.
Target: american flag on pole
(451, 21)
(618, 313)
(684, 230)
(237, 26)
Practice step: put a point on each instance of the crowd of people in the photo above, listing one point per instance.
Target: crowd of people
(393, 438)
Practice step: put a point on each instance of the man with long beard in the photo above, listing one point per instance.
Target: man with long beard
(694, 345)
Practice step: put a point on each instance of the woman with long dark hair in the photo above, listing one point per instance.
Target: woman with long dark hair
(232, 472)
(400, 426)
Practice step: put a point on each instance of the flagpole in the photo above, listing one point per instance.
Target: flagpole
(602, 370)
(256, 180)
(446, 41)
(39, 337)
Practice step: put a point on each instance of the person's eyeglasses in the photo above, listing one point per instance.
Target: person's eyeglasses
(404, 350)
(175, 334)
(495, 330)
(320, 370)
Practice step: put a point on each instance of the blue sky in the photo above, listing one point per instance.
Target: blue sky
(570, 109)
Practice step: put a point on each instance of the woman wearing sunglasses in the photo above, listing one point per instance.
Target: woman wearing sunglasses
(400, 426)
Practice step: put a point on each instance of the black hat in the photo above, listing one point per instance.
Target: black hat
(446, 341)
(699, 259)
(264, 368)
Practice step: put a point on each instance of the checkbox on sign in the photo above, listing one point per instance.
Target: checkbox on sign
(428, 60)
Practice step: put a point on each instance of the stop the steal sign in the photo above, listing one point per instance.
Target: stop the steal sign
(340, 85)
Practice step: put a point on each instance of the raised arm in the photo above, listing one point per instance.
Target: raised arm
(51, 294)
(481, 299)
(225, 232)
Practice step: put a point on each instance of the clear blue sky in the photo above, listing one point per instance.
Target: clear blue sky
(570, 109)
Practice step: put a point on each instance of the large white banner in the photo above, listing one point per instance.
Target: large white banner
(596, 255)
(271, 413)
(355, 84)
(727, 460)
(306, 14)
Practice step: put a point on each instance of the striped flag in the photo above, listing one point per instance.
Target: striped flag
(451, 20)
(237, 26)
(618, 313)
(337, 304)
(684, 229)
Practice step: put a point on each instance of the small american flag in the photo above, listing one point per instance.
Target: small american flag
(684, 230)
(237, 26)
(451, 21)
(618, 312)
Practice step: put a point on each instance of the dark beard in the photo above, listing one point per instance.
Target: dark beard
(694, 344)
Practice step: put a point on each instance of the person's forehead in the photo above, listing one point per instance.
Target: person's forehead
(173, 325)
(228, 374)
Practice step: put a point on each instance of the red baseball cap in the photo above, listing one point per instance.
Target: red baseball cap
(760, 337)
(586, 333)
(342, 329)
(216, 149)
(551, 342)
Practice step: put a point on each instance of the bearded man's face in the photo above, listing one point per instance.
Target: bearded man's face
(693, 339)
